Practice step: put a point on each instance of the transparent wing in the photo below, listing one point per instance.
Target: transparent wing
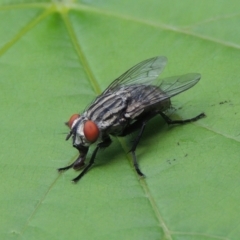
(174, 85)
(147, 96)
(144, 72)
(168, 87)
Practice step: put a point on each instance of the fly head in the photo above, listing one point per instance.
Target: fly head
(84, 132)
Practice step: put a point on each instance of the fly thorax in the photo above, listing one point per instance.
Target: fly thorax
(107, 110)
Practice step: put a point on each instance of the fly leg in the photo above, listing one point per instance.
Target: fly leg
(79, 163)
(133, 149)
(140, 123)
(105, 143)
(65, 168)
(170, 121)
(75, 180)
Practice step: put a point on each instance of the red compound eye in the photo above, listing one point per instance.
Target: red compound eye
(91, 131)
(72, 119)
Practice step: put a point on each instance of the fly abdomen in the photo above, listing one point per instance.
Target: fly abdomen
(146, 98)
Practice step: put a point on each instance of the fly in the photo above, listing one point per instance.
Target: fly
(125, 106)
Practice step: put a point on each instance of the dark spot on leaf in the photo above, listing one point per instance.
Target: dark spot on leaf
(223, 102)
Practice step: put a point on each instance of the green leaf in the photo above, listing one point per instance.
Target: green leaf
(56, 56)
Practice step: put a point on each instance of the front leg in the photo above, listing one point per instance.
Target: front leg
(79, 163)
(105, 143)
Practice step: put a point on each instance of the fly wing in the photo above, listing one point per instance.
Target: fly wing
(146, 93)
(144, 72)
(171, 86)
(146, 97)
(174, 85)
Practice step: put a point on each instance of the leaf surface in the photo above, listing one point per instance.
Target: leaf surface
(55, 57)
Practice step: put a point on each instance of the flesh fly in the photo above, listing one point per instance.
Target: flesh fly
(125, 106)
